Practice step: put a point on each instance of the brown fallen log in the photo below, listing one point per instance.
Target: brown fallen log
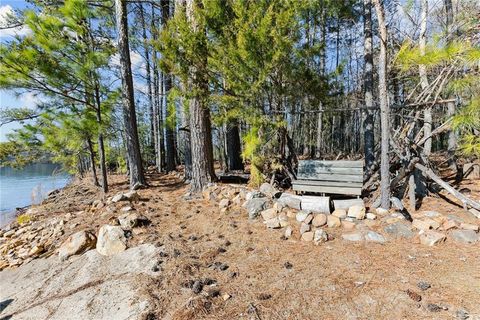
(466, 201)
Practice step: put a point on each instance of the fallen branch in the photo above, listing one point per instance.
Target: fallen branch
(466, 201)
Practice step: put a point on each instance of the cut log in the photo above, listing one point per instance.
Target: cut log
(345, 204)
(465, 201)
(316, 204)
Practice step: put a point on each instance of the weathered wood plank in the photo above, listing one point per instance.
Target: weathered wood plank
(329, 183)
(332, 177)
(330, 170)
(333, 163)
(325, 189)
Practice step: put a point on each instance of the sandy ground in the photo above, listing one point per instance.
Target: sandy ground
(251, 273)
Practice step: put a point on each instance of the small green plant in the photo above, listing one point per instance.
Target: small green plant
(24, 218)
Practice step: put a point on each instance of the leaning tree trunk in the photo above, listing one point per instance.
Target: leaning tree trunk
(234, 147)
(200, 125)
(384, 108)
(134, 156)
(368, 124)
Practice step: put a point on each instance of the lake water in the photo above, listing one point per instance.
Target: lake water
(26, 186)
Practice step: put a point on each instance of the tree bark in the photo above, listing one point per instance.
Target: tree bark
(134, 156)
(101, 146)
(169, 131)
(368, 124)
(92, 159)
(200, 125)
(422, 70)
(384, 108)
(234, 147)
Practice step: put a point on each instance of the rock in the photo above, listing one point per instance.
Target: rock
(320, 236)
(399, 230)
(269, 214)
(288, 232)
(119, 197)
(304, 228)
(373, 236)
(77, 243)
(340, 213)
(433, 224)
(307, 236)
(468, 226)
(449, 224)
(432, 307)
(226, 296)
(371, 216)
(224, 203)
(319, 220)
(353, 236)
(290, 200)
(381, 211)
(36, 250)
(333, 221)
(268, 190)
(423, 285)
(465, 236)
(431, 238)
(301, 216)
(132, 196)
(348, 225)
(254, 195)
(111, 240)
(254, 206)
(132, 220)
(126, 209)
(308, 219)
(420, 224)
(273, 223)
(197, 287)
(208, 195)
(278, 206)
(357, 212)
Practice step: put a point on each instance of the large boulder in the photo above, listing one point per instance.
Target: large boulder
(269, 190)
(77, 243)
(111, 240)
(255, 205)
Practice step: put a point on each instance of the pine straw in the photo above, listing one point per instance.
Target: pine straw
(335, 280)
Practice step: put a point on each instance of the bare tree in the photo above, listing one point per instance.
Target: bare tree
(369, 138)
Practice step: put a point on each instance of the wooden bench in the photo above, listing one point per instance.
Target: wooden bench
(337, 177)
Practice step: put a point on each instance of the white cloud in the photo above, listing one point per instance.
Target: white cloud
(138, 64)
(6, 13)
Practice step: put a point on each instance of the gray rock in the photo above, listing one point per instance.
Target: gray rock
(255, 205)
(119, 197)
(254, 194)
(77, 243)
(372, 236)
(132, 196)
(301, 216)
(132, 220)
(290, 200)
(320, 236)
(464, 236)
(353, 236)
(399, 230)
(288, 232)
(111, 240)
(269, 190)
(269, 214)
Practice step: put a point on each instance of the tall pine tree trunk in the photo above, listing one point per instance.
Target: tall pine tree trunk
(134, 156)
(234, 147)
(384, 108)
(368, 124)
(92, 159)
(169, 130)
(101, 146)
(148, 78)
(200, 125)
(422, 70)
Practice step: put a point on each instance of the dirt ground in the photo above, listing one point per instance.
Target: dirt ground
(254, 274)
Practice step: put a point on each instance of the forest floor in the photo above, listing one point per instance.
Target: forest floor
(248, 271)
